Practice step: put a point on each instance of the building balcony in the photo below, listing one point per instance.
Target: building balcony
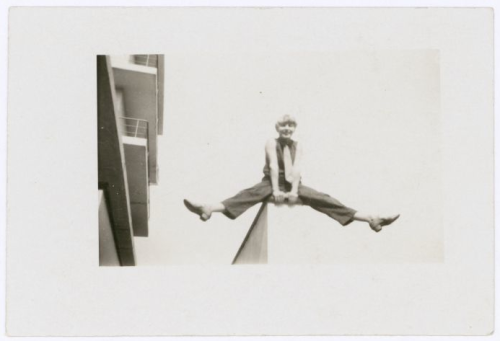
(135, 134)
(141, 91)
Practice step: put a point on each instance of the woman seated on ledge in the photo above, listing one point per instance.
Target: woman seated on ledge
(282, 183)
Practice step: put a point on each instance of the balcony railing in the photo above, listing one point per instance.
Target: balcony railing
(146, 60)
(134, 127)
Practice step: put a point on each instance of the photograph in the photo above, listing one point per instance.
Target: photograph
(370, 121)
(250, 171)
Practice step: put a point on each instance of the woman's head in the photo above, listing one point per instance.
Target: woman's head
(285, 126)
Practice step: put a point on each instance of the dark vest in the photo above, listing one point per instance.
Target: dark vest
(279, 153)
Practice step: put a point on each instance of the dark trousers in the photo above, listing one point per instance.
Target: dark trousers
(321, 202)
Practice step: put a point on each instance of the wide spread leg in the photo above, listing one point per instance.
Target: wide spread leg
(326, 204)
(245, 199)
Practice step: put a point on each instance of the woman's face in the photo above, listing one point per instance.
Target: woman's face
(286, 130)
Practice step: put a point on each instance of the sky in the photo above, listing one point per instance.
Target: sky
(369, 122)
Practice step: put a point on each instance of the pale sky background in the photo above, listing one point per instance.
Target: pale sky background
(370, 125)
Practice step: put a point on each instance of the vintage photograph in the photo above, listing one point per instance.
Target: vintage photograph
(250, 171)
(368, 136)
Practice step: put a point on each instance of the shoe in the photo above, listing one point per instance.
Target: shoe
(377, 223)
(198, 209)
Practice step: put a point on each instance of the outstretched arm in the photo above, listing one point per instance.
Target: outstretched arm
(296, 172)
(271, 156)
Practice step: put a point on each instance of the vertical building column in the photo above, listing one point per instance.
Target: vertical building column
(111, 163)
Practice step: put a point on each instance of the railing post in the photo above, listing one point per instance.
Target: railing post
(136, 128)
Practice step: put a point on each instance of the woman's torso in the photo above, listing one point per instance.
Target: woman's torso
(279, 153)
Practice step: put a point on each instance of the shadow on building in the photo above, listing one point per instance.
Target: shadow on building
(130, 118)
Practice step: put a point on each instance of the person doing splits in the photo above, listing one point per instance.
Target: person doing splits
(282, 182)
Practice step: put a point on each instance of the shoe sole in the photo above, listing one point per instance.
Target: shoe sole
(388, 222)
(378, 227)
(196, 210)
(191, 207)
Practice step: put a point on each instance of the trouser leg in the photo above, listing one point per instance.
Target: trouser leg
(326, 204)
(245, 199)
